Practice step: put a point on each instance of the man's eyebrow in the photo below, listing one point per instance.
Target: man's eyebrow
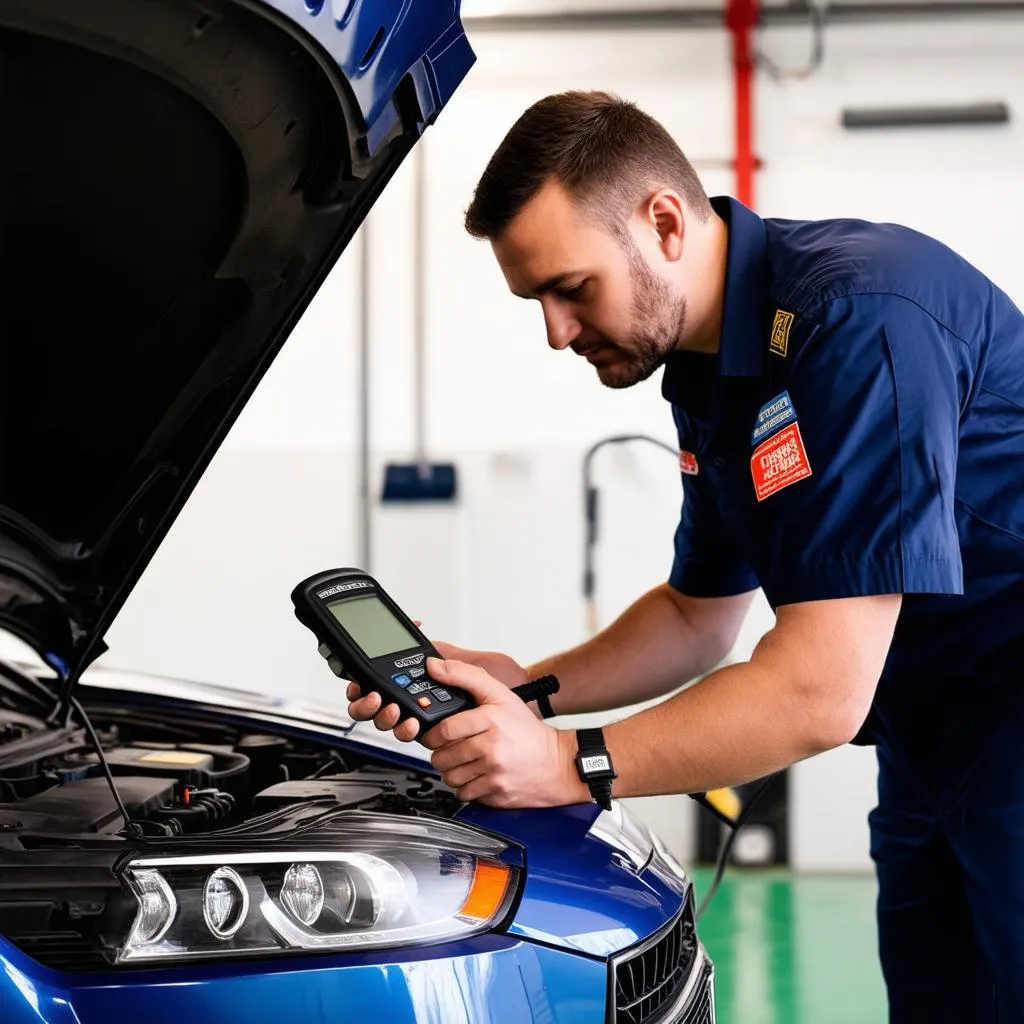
(549, 285)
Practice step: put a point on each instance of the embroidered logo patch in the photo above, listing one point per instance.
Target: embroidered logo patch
(779, 343)
(688, 463)
(779, 462)
(774, 414)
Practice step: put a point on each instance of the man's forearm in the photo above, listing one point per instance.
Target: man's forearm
(792, 700)
(662, 641)
(738, 724)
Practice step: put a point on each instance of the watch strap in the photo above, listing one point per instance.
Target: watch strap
(591, 741)
(594, 765)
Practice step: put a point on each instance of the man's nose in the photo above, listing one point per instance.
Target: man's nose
(563, 328)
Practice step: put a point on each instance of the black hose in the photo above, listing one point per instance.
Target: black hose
(723, 857)
(94, 739)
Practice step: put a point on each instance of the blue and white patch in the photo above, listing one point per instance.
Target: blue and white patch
(773, 416)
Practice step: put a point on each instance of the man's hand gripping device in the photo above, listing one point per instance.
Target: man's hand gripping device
(365, 637)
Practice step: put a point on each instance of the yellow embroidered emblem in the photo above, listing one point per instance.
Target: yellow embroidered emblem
(780, 332)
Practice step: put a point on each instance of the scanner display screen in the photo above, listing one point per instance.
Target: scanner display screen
(372, 626)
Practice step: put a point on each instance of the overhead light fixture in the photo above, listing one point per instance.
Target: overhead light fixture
(926, 116)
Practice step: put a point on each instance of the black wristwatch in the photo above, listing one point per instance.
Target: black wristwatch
(594, 764)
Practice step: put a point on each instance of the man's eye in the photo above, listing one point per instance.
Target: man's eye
(574, 292)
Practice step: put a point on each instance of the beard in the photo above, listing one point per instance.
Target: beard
(657, 324)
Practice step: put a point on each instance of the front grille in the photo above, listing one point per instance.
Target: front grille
(63, 951)
(701, 1009)
(650, 977)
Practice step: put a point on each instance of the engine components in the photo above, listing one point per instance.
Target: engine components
(197, 765)
(86, 805)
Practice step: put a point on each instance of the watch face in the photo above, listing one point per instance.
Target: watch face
(596, 763)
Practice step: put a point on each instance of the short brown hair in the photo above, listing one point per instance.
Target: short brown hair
(600, 148)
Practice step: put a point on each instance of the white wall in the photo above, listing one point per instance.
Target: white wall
(502, 567)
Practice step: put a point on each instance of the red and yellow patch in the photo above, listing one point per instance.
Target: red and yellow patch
(688, 463)
(779, 462)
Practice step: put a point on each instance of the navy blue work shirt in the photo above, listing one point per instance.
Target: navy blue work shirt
(861, 431)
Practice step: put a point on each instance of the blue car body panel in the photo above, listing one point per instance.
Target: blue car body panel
(577, 895)
(491, 978)
(375, 43)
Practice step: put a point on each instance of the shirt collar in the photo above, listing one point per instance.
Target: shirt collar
(741, 346)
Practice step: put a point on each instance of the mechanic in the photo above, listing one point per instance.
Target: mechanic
(849, 400)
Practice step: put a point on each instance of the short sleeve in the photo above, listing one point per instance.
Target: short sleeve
(707, 562)
(876, 392)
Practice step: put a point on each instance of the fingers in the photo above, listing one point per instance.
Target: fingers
(451, 651)
(463, 767)
(362, 709)
(483, 788)
(460, 753)
(459, 727)
(365, 709)
(479, 683)
(408, 730)
(464, 774)
(387, 718)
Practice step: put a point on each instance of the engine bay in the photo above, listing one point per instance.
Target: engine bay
(240, 842)
(185, 777)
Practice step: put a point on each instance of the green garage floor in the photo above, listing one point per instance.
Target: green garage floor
(793, 949)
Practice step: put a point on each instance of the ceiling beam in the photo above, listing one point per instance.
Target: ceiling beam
(714, 17)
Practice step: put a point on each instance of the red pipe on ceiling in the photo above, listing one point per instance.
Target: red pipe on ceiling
(741, 19)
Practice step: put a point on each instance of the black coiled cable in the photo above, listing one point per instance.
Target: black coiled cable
(539, 690)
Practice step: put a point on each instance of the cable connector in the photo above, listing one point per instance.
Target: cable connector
(538, 690)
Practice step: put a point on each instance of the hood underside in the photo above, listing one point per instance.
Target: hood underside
(178, 179)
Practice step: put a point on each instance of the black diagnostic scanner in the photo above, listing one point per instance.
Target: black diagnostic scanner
(367, 638)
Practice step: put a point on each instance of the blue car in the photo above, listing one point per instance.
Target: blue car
(179, 177)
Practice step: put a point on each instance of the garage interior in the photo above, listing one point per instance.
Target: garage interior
(413, 354)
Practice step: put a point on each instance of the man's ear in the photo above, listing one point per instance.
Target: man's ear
(664, 212)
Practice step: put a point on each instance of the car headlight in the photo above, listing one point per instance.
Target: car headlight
(361, 881)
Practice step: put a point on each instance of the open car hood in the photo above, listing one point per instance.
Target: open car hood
(179, 178)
